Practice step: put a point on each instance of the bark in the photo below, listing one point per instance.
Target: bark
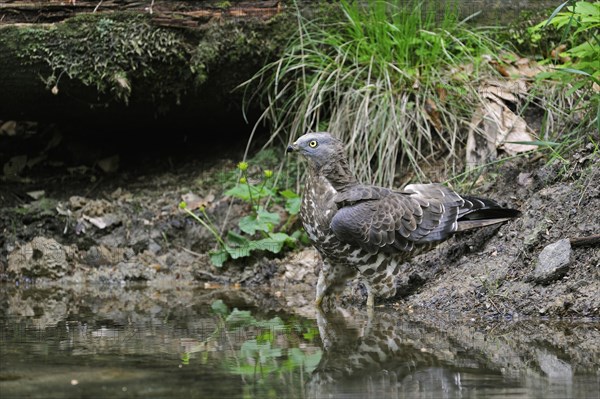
(191, 13)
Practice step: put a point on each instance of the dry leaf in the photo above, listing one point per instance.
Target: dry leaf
(500, 68)
(15, 165)
(104, 221)
(36, 195)
(110, 164)
(494, 126)
(433, 114)
(442, 94)
(98, 222)
(212, 286)
(194, 201)
(8, 128)
(509, 127)
(507, 90)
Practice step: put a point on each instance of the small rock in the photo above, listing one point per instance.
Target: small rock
(154, 247)
(98, 256)
(42, 257)
(133, 271)
(553, 261)
(524, 179)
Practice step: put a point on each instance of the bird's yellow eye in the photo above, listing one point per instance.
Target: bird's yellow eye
(313, 144)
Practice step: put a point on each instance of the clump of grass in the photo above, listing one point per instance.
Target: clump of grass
(395, 81)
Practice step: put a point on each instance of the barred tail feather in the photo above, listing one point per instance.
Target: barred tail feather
(481, 212)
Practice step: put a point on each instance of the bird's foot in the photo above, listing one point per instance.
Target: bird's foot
(318, 302)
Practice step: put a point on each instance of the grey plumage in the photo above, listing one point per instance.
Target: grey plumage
(372, 230)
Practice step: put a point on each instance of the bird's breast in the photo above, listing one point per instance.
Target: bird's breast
(317, 210)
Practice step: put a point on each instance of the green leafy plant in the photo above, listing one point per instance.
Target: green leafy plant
(260, 230)
(571, 90)
(579, 22)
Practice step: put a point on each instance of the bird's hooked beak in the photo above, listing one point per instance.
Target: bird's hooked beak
(291, 148)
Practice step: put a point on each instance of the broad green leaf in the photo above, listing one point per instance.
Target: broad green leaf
(268, 244)
(283, 237)
(218, 257)
(584, 49)
(237, 239)
(262, 221)
(265, 336)
(274, 324)
(274, 243)
(310, 334)
(240, 252)
(583, 7)
(248, 193)
(240, 191)
(292, 205)
(250, 224)
(300, 235)
(289, 194)
(312, 361)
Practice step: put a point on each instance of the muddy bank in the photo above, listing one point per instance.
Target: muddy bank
(90, 227)
(535, 265)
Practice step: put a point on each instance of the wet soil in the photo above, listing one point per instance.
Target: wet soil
(97, 229)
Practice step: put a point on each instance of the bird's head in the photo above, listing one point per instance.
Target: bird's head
(318, 148)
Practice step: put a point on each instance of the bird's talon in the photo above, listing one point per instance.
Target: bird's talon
(319, 302)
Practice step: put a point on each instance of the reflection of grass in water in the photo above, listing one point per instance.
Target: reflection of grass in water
(265, 352)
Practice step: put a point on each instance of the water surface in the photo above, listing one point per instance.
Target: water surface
(135, 342)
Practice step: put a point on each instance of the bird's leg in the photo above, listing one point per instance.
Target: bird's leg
(382, 283)
(321, 288)
(332, 280)
(370, 300)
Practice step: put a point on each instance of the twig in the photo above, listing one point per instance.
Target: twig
(97, 6)
(189, 251)
(581, 241)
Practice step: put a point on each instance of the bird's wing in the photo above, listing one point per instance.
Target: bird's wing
(396, 221)
(360, 192)
(453, 207)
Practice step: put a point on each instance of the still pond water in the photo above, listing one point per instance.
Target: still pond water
(119, 342)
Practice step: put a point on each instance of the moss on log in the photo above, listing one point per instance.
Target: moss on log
(132, 64)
